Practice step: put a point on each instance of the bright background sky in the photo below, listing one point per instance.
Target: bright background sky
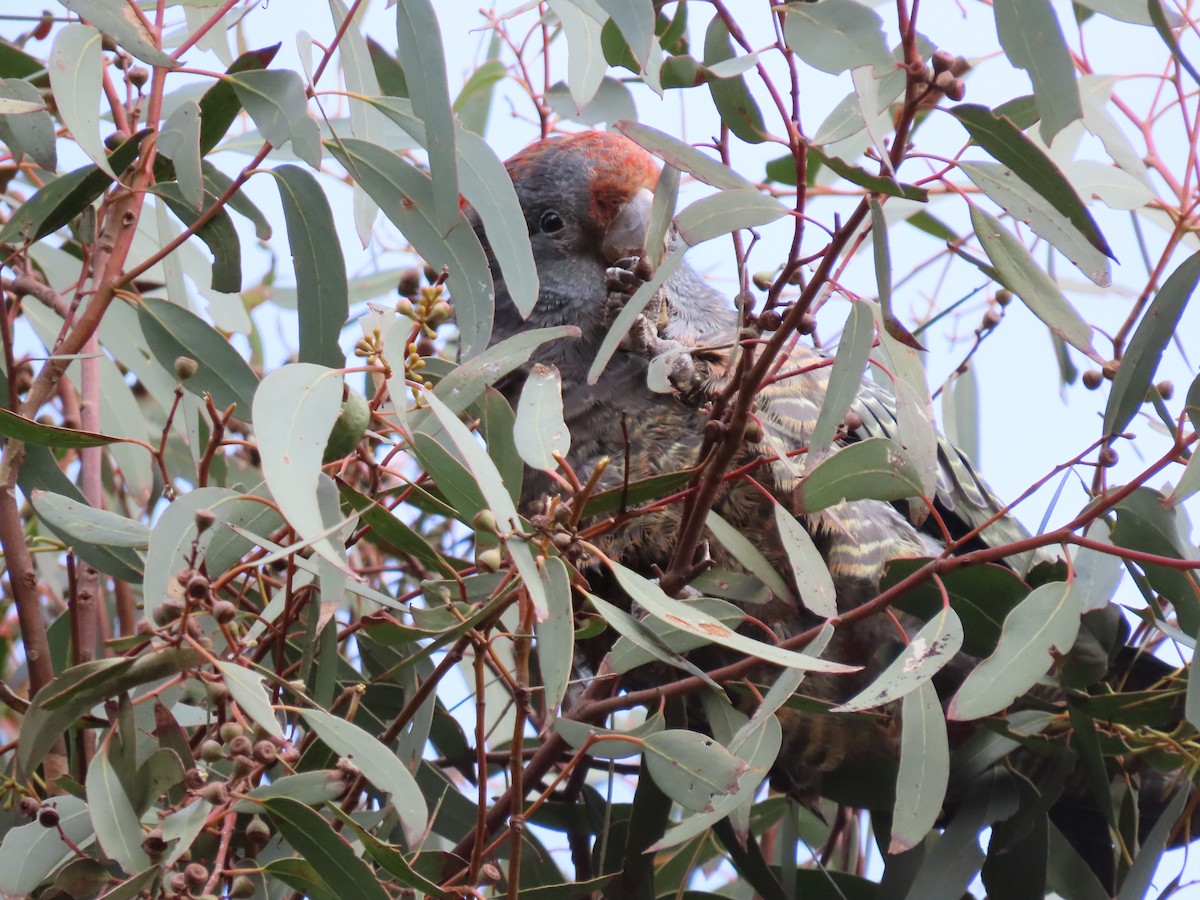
(1028, 422)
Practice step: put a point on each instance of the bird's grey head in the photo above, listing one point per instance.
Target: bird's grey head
(586, 199)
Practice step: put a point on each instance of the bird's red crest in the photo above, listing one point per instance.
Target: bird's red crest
(617, 167)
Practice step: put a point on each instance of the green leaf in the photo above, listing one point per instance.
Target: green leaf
(1046, 620)
(420, 46)
(16, 63)
(1146, 523)
(691, 768)
(926, 654)
(757, 745)
(378, 763)
(295, 408)
(540, 429)
(322, 296)
(405, 194)
(277, 103)
(125, 26)
(1025, 204)
(732, 98)
(246, 688)
(388, 71)
(474, 102)
(876, 469)
(837, 35)
(1141, 874)
(75, 66)
(296, 873)
(1032, 40)
(1030, 163)
(690, 619)
(31, 132)
(981, 596)
(878, 184)
(220, 105)
(924, 768)
(180, 140)
(811, 575)
(1135, 374)
(635, 19)
(116, 822)
(54, 436)
(65, 197)
(1029, 281)
(391, 860)
(313, 788)
(172, 331)
(719, 214)
(182, 827)
(331, 857)
(623, 744)
(87, 524)
(390, 531)
(217, 233)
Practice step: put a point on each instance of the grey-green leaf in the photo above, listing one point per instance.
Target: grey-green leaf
(492, 487)
(276, 101)
(837, 35)
(748, 555)
(692, 768)
(322, 294)
(294, 411)
(929, 650)
(690, 619)
(405, 194)
(924, 768)
(31, 132)
(719, 214)
(116, 822)
(540, 430)
(812, 577)
(172, 331)
(1007, 144)
(88, 524)
(876, 469)
(845, 377)
(124, 25)
(180, 140)
(684, 156)
(75, 67)
(1032, 39)
(1145, 350)
(246, 688)
(420, 46)
(330, 856)
(379, 764)
(1046, 620)
(1028, 280)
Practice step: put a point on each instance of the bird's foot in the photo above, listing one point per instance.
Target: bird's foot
(672, 366)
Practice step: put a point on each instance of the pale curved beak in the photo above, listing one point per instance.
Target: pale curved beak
(626, 236)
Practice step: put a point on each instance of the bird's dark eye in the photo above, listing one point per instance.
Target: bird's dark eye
(550, 222)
